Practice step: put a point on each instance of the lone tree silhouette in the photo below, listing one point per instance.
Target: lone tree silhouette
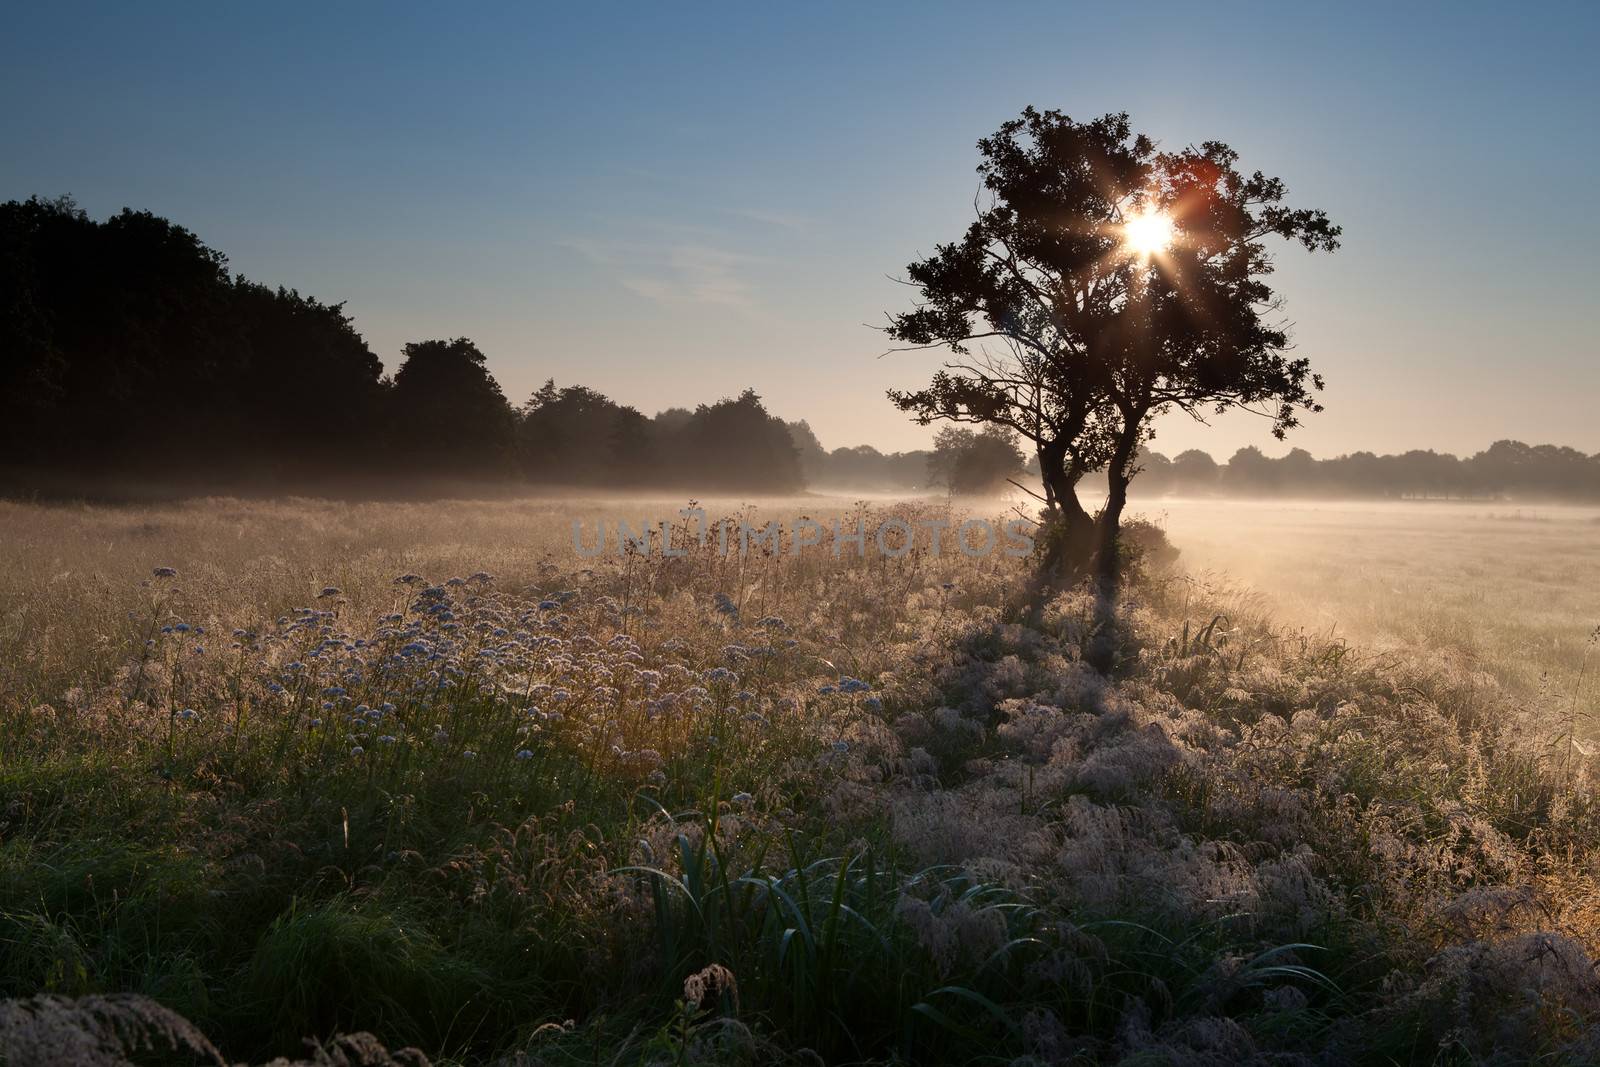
(1105, 283)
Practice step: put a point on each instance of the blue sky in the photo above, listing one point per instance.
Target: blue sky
(672, 202)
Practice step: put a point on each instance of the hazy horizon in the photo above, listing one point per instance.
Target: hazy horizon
(664, 207)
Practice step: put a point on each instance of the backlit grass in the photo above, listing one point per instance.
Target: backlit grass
(419, 770)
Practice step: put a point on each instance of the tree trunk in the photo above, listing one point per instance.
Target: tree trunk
(1045, 475)
(1101, 649)
(1108, 563)
(1107, 557)
(1070, 545)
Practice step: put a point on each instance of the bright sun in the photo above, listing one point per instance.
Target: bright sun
(1147, 234)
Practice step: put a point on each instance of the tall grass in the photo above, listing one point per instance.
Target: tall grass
(786, 808)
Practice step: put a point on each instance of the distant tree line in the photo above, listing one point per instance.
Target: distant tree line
(1504, 469)
(858, 467)
(128, 351)
(968, 462)
(962, 461)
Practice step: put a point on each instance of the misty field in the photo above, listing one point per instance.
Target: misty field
(298, 768)
(1509, 589)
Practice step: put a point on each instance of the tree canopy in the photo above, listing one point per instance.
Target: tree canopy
(974, 462)
(129, 347)
(449, 413)
(737, 442)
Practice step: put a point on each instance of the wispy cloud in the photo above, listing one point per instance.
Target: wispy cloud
(676, 273)
(781, 219)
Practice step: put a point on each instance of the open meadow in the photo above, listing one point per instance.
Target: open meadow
(300, 768)
(1512, 590)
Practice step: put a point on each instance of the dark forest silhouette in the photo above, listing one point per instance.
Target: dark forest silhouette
(129, 352)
